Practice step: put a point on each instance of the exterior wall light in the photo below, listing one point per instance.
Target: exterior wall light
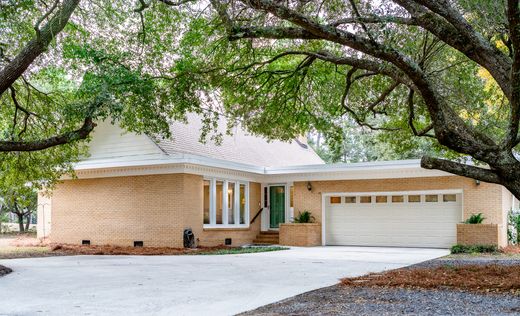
(309, 186)
(477, 182)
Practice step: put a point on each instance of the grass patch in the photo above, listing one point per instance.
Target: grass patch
(24, 252)
(477, 278)
(235, 251)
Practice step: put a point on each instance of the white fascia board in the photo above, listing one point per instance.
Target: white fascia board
(140, 161)
(375, 165)
(186, 163)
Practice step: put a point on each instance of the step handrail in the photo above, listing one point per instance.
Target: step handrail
(257, 214)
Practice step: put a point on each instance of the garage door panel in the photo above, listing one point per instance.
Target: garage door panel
(422, 224)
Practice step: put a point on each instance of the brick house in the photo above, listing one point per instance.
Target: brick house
(133, 188)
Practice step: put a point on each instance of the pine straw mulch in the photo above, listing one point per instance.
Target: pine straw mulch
(65, 249)
(511, 249)
(487, 278)
(4, 270)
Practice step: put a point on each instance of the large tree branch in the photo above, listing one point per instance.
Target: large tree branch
(464, 170)
(449, 26)
(64, 138)
(513, 14)
(446, 122)
(36, 46)
(374, 19)
(240, 32)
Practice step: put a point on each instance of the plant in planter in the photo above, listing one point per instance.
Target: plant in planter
(475, 219)
(304, 217)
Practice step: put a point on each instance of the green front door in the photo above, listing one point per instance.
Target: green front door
(277, 205)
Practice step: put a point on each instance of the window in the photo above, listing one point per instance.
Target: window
(414, 198)
(397, 198)
(291, 196)
(381, 199)
(335, 200)
(226, 203)
(242, 204)
(350, 199)
(219, 202)
(207, 184)
(432, 198)
(231, 202)
(365, 199)
(449, 197)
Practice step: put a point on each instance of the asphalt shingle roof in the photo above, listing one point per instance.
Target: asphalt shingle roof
(240, 147)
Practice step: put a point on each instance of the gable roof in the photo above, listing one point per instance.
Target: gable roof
(241, 147)
(111, 143)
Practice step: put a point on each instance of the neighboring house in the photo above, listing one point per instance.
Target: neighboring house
(132, 188)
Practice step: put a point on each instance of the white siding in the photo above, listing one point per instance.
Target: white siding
(111, 141)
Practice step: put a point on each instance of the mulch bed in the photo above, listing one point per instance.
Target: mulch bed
(4, 270)
(477, 278)
(65, 249)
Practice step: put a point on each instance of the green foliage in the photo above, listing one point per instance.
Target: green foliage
(304, 217)
(513, 228)
(475, 219)
(236, 251)
(474, 249)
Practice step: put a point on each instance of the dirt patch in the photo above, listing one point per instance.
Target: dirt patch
(4, 270)
(138, 251)
(478, 278)
(513, 250)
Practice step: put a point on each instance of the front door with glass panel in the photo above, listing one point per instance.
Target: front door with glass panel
(276, 205)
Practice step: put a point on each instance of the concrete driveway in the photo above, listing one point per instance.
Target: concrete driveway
(182, 285)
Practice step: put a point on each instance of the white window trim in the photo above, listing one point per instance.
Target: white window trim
(225, 206)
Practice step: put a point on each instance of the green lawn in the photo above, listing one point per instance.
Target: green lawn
(235, 251)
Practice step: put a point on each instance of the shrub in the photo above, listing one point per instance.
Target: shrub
(475, 219)
(513, 228)
(474, 249)
(304, 217)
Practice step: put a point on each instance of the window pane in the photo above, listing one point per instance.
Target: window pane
(335, 200)
(365, 199)
(350, 199)
(381, 199)
(206, 201)
(397, 198)
(231, 202)
(242, 204)
(218, 207)
(291, 192)
(432, 198)
(414, 198)
(449, 198)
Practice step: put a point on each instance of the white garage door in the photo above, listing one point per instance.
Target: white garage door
(393, 219)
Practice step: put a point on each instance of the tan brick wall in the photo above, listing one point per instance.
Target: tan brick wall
(155, 209)
(484, 198)
(300, 235)
(478, 234)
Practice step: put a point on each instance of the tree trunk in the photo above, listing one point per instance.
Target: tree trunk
(20, 223)
(28, 223)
